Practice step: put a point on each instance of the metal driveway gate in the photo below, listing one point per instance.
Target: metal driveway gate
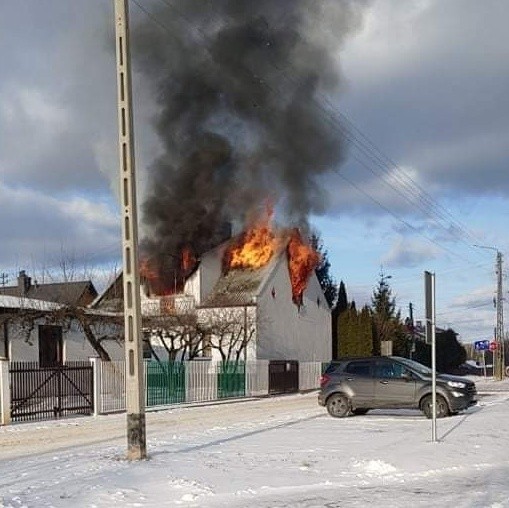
(283, 376)
(165, 382)
(231, 380)
(42, 393)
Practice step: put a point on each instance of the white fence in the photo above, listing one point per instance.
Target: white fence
(309, 375)
(201, 382)
(110, 397)
(257, 378)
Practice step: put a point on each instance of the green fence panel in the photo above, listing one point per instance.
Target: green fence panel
(165, 383)
(231, 380)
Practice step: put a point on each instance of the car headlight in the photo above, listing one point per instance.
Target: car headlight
(456, 384)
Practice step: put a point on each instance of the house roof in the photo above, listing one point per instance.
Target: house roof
(112, 297)
(242, 286)
(17, 302)
(61, 292)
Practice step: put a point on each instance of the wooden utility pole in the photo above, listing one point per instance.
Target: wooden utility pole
(136, 436)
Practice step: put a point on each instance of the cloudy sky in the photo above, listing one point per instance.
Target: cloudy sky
(423, 103)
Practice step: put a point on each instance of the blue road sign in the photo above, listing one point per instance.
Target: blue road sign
(482, 345)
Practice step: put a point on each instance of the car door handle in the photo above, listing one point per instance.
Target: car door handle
(384, 382)
(349, 378)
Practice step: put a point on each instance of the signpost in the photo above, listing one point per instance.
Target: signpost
(429, 294)
(484, 345)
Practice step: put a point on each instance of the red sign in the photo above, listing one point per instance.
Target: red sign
(493, 346)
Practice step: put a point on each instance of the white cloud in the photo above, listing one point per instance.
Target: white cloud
(408, 253)
(37, 226)
(41, 110)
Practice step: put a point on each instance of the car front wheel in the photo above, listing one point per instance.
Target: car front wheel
(338, 405)
(441, 410)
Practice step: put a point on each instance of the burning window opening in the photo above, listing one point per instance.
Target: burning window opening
(163, 281)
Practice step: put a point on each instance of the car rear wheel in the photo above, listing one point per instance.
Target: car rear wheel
(441, 410)
(360, 411)
(338, 405)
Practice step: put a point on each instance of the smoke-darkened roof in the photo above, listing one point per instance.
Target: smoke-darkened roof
(241, 286)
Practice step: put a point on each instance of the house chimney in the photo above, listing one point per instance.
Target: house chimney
(24, 283)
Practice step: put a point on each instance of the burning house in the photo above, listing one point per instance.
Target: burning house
(263, 289)
(240, 93)
(255, 296)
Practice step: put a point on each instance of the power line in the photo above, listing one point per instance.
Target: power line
(369, 149)
(361, 142)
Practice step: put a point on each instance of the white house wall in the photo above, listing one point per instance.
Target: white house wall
(21, 350)
(209, 272)
(287, 332)
(75, 346)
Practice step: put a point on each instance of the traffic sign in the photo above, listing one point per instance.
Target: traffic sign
(482, 345)
(493, 346)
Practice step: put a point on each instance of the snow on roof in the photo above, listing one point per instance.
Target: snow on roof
(18, 302)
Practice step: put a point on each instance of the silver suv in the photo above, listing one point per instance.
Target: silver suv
(356, 385)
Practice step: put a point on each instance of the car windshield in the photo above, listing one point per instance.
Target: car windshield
(419, 367)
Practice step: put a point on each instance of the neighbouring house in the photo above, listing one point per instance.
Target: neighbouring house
(78, 293)
(250, 312)
(35, 327)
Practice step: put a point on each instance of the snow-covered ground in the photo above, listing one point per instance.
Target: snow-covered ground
(278, 452)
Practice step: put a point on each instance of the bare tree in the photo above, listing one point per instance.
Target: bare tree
(230, 329)
(180, 334)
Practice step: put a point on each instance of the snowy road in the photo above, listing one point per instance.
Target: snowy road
(280, 452)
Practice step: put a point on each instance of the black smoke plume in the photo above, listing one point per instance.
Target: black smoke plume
(238, 86)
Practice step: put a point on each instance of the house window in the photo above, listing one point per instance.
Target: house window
(147, 350)
(50, 345)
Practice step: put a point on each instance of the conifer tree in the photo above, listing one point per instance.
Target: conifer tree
(365, 332)
(387, 324)
(340, 307)
(342, 303)
(326, 280)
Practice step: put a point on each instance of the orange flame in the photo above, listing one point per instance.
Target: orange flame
(302, 260)
(255, 247)
(255, 250)
(188, 259)
(147, 271)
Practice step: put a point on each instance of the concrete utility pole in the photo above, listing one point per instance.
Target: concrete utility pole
(499, 352)
(136, 436)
